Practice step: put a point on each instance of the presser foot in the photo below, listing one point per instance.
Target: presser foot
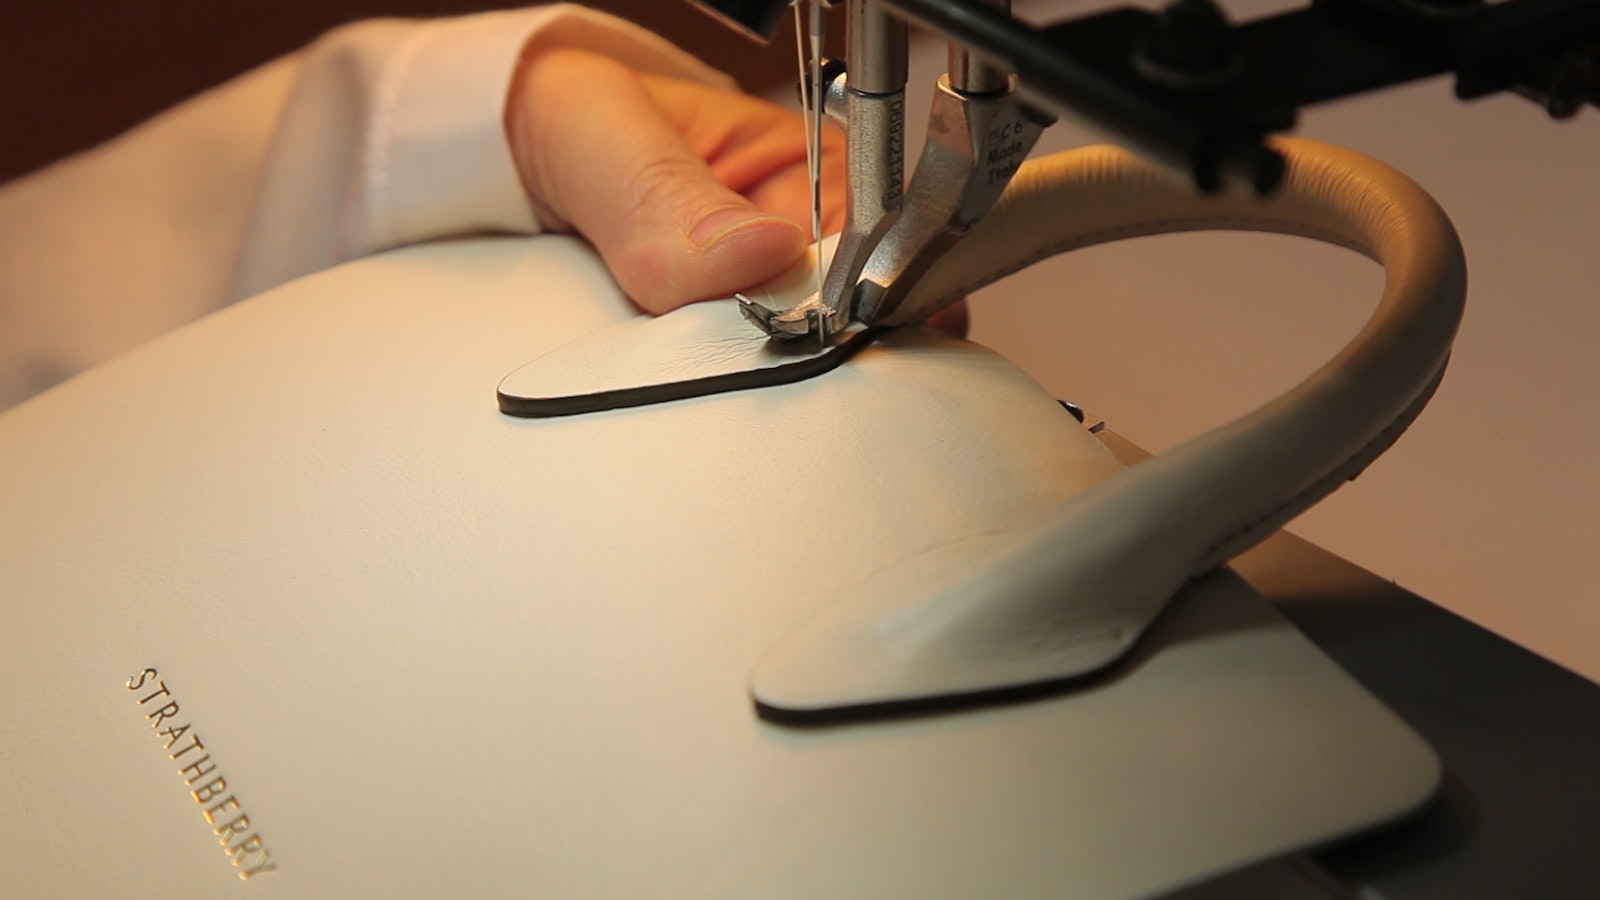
(811, 318)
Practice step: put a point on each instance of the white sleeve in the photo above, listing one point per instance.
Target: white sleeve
(394, 135)
(380, 134)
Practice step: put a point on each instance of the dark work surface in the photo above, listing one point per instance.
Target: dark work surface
(1519, 736)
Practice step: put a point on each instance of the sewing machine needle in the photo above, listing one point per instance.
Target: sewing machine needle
(810, 65)
(818, 36)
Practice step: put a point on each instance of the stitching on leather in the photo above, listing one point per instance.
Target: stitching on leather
(1154, 227)
(1353, 465)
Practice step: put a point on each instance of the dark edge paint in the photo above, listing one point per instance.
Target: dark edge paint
(650, 395)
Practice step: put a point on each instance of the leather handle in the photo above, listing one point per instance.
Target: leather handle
(1062, 597)
(1259, 471)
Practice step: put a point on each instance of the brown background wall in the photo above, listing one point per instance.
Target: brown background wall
(75, 72)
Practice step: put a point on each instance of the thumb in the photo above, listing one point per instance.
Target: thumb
(598, 157)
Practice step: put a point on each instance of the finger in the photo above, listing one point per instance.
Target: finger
(606, 163)
(788, 193)
(954, 320)
(756, 148)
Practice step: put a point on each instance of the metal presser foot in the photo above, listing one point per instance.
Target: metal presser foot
(978, 134)
(868, 102)
(810, 318)
(783, 318)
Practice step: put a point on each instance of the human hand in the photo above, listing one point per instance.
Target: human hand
(688, 192)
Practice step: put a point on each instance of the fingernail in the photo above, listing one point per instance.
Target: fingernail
(711, 230)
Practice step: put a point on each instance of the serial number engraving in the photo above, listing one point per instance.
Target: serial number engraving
(245, 848)
(897, 155)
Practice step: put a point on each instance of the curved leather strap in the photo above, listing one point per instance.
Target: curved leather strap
(1080, 586)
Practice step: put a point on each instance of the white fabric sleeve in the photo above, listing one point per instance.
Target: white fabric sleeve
(381, 133)
(107, 249)
(394, 135)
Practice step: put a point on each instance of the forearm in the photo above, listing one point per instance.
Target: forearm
(394, 134)
(380, 134)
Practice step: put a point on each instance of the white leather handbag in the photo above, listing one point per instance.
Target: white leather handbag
(288, 599)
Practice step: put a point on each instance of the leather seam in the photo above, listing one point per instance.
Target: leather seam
(1350, 468)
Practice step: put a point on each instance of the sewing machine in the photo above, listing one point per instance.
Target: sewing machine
(1116, 72)
(1183, 86)
(1106, 70)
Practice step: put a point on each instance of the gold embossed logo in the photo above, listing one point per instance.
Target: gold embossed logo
(244, 846)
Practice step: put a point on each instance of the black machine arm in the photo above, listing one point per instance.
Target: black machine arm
(1185, 86)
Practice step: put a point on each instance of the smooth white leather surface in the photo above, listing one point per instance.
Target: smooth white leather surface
(696, 341)
(435, 650)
